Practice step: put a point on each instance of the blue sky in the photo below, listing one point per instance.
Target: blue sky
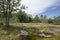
(46, 7)
(51, 12)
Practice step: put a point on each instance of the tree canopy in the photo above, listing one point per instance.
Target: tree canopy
(7, 7)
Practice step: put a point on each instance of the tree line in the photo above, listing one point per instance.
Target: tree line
(27, 18)
(23, 17)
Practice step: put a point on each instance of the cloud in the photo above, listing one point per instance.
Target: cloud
(39, 6)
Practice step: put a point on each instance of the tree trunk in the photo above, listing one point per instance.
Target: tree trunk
(8, 14)
(7, 21)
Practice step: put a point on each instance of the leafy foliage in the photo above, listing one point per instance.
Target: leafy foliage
(7, 7)
(57, 20)
(36, 19)
(50, 20)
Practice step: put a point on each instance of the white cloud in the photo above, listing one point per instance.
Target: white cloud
(35, 6)
(54, 8)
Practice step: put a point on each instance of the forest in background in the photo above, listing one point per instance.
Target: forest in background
(22, 17)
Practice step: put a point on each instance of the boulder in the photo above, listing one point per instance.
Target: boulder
(41, 34)
(23, 31)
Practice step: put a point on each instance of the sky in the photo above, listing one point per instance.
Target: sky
(42, 7)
